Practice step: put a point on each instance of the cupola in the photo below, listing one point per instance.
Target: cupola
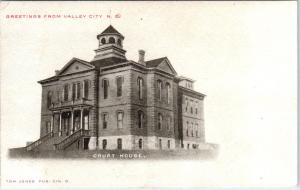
(110, 44)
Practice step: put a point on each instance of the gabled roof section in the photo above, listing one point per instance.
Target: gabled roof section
(162, 63)
(71, 68)
(110, 30)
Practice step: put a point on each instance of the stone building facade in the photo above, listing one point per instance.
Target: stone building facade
(115, 103)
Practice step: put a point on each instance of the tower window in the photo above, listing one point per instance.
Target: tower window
(103, 41)
(111, 40)
(140, 119)
(120, 42)
(140, 143)
(105, 85)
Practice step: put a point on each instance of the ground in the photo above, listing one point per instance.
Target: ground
(119, 154)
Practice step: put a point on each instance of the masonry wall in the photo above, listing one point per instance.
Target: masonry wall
(56, 88)
(191, 129)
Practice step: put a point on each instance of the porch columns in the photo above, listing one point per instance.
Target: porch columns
(59, 131)
(72, 122)
(52, 123)
(81, 117)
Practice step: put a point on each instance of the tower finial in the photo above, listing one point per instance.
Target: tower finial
(109, 16)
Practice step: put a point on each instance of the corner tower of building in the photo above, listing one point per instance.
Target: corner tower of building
(110, 45)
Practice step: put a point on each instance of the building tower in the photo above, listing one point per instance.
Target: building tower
(110, 45)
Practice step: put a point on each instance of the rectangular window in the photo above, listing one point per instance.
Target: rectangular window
(168, 93)
(169, 144)
(86, 89)
(159, 84)
(73, 91)
(104, 120)
(105, 88)
(104, 144)
(119, 86)
(140, 87)
(86, 122)
(48, 127)
(78, 94)
(120, 119)
(119, 142)
(66, 92)
(160, 120)
(169, 124)
(160, 144)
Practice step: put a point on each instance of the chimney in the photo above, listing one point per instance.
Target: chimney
(56, 72)
(142, 57)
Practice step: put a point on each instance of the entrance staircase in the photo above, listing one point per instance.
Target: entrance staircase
(38, 142)
(66, 142)
(51, 141)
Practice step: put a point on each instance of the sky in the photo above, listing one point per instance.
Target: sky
(243, 56)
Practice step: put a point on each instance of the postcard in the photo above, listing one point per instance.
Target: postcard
(148, 94)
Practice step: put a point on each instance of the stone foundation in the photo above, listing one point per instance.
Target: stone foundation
(131, 142)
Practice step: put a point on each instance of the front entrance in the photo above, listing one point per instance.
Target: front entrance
(86, 143)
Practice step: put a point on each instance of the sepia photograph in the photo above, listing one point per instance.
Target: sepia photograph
(148, 94)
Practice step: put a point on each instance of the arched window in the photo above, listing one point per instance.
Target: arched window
(119, 42)
(103, 41)
(159, 87)
(105, 85)
(168, 92)
(160, 121)
(140, 143)
(49, 99)
(140, 87)
(111, 40)
(140, 119)
(169, 144)
(192, 128)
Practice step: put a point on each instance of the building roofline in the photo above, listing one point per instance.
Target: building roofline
(191, 91)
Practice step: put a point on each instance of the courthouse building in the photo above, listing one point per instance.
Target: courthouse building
(115, 103)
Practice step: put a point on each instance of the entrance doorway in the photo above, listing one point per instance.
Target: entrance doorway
(86, 143)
